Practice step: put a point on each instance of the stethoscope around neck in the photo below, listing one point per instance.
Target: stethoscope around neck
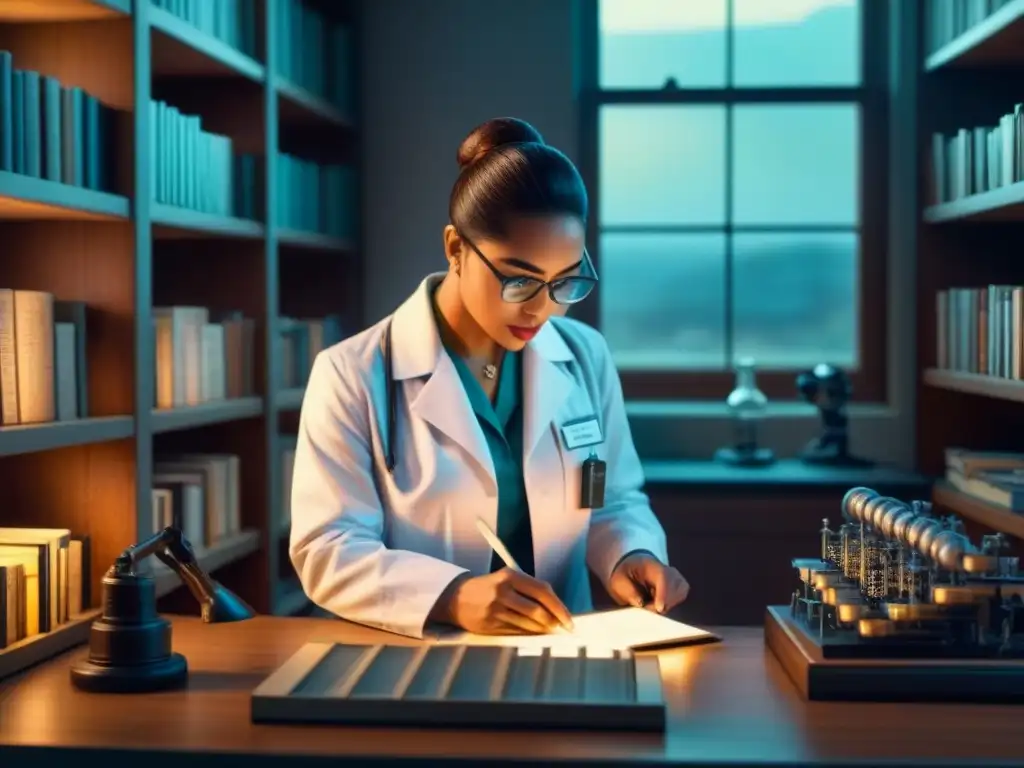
(391, 396)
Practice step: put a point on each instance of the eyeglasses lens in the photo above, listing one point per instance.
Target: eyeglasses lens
(520, 289)
(572, 290)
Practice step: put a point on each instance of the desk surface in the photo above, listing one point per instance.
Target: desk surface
(729, 704)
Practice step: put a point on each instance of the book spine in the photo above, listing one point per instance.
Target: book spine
(6, 111)
(51, 129)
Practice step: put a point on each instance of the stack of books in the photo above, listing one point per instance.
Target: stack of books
(230, 21)
(198, 170)
(993, 476)
(43, 360)
(301, 342)
(315, 53)
(199, 494)
(979, 330)
(316, 198)
(45, 577)
(200, 358)
(979, 159)
(948, 19)
(54, 132)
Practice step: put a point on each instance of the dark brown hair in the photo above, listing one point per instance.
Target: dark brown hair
(508, 172)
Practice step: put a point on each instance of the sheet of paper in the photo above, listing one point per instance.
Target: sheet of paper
(619, 629)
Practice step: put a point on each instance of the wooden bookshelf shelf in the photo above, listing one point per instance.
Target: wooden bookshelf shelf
(976, 384)
(313, 241)
(223, 553)
(31, 438)
(62, 10)
(187, 115)
(1002, 204)
(170, 222)
(205, 414)
(999, 39)
(290, 399)
(981, 512)
(300, 106)
(40, 647)
(27, 197)
(180, 49)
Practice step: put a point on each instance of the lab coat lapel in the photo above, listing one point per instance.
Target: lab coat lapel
(441, 401)
(547, 384)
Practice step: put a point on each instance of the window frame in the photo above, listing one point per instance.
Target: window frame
(869, 380)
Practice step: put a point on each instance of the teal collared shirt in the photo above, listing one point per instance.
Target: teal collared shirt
(502, 425)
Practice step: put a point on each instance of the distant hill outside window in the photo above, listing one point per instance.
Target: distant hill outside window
(730, 221)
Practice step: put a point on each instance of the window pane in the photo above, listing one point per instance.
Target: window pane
(781, 43)
(645, 42)
(795, 299)
(662, 165)
(663, 300)
(796, 164)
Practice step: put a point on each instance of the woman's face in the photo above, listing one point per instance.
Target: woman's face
(546, 248)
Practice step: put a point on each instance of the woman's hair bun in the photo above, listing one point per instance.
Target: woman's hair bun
(494, 133)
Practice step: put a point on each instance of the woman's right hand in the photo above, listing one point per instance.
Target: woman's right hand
(506, 602)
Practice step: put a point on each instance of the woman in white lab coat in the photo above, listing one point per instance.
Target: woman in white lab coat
(478, 405)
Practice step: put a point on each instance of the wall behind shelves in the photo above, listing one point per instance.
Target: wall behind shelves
(431, 72)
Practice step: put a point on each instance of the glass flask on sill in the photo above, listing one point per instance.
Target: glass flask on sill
(747, 406)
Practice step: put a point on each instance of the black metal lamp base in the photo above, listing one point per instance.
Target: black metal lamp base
(165, 674)
(130, 644)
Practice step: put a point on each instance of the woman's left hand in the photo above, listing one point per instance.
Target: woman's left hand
(642, 580)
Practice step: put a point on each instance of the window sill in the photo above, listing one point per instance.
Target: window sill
(673, 431)
(711, 409)
(784, 474)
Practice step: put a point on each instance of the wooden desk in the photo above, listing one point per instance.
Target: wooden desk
(730, 704)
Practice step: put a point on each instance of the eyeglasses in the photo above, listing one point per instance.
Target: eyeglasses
(516, 289)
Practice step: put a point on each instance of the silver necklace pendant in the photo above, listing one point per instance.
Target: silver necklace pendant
(490, 371)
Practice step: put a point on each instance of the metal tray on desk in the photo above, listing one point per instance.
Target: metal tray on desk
(463, 686)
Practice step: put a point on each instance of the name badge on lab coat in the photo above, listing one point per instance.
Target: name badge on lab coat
(582, 433)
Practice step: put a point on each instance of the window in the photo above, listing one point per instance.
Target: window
(736, 153)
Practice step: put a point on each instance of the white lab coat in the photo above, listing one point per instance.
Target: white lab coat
(379, 548)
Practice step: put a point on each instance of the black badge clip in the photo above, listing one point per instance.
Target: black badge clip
(593, 477)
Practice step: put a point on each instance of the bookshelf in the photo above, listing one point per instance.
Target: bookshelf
(994, 36)
(220, 174)
(970, 277)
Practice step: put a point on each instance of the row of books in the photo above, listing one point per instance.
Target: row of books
(996, 477)
(979, 330)
(231, 21)
(202, 356)
(199, 494)
(43, 371)
(315, 53)
(316, 198)
(301, 342)
(45, 576)
(978, 159)
(948, 19)
(52, 131)
(197, 169)
(283, 524)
